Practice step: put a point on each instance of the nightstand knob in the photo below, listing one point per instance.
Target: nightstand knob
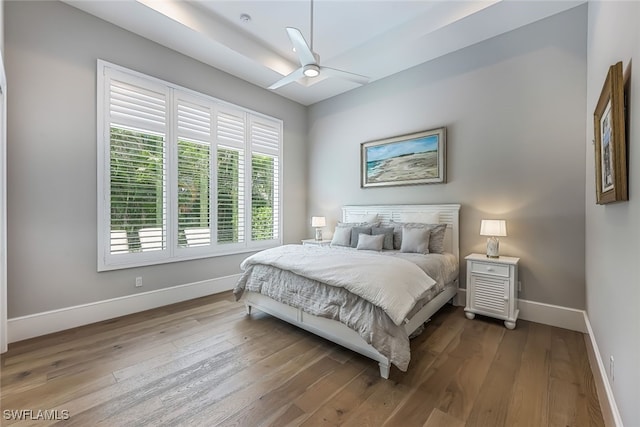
(489, 269)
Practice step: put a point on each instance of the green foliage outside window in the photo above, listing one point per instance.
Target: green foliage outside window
(138, 193)
(228, 197)
(262, 197)
(193, 187)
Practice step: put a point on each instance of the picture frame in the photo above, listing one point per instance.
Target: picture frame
(610, 140)
(417, 158)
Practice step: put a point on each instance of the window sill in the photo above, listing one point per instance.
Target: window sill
(124, 261)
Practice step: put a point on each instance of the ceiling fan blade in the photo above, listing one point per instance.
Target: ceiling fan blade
(290, 78)
(303, 51)
(356, 78)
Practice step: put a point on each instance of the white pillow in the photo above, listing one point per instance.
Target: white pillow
(415, 240)
(369, 242)
(341, 236)
(421, 217)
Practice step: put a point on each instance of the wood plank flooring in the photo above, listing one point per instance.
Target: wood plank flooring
(206, 363)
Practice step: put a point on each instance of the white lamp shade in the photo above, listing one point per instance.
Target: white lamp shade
(318, 221)
(493, 227)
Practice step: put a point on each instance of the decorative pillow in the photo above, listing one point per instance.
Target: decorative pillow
(421, 217)
(397, 231)
(387, 232)
(436, 239)
(341, 236)
(348, 224)
(415, 240)
(358, 224)
(370, 243)
(355, 234)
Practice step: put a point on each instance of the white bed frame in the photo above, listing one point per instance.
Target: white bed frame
(337, 332)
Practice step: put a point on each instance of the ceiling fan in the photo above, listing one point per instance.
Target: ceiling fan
(310, 62)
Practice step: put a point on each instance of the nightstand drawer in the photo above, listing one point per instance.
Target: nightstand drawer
(491, 269)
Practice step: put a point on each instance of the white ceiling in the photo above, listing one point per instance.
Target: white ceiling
(375, 38)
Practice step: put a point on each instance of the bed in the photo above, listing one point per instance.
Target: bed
(370, 330)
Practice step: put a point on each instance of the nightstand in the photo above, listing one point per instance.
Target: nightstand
(491, 288)
(314, 242)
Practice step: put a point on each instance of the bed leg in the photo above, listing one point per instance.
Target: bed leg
(384, 369)
(248, 307)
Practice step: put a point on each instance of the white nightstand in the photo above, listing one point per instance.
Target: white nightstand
(491, 288)
(315, 242)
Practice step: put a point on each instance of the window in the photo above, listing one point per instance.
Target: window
(181, 175)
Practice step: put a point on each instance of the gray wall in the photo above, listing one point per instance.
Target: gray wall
(2, 26)
(613, 231)
(514, 111)
(51, 53)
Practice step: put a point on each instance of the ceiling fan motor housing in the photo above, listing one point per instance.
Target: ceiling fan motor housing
(311, 70)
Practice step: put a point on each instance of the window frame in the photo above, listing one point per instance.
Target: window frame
(173, 252)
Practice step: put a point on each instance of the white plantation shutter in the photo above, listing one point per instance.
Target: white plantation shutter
(181, 175)
(265, 137)
(230, 139)
(265, 199)
(137, 106)
(194, 174)
(137, 160)
(194, 121)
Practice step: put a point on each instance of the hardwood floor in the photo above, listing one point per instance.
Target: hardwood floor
(205, 362)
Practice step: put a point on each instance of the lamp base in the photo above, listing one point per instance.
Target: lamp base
(492, 247)
(318, 234)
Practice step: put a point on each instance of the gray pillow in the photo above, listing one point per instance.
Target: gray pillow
(436, 239)
(387, 232)
(355, 233)
(358, 224)
(341, 236)
(397, 231)
(415, 240)
(370, 243)
(348, 224)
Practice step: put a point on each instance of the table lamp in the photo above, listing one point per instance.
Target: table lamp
(317, 222)
(493, 228)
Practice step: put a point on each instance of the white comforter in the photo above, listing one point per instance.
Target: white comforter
(392, 284)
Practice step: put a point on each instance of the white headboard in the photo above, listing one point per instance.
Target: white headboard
(449, 214)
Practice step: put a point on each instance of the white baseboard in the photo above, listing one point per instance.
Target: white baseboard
(547, 314)
(554, 315)
(608, 404)
(34, 325)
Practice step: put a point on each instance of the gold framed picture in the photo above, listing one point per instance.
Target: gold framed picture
(610, 145)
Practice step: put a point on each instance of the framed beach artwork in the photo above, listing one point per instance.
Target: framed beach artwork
(609, 141)
(418, 158)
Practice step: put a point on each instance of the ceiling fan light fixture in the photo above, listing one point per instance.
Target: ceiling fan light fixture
(311, 70)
